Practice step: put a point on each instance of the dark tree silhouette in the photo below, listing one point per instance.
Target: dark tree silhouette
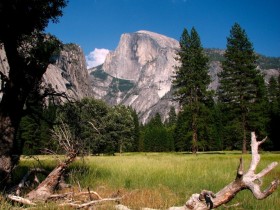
(29, 51)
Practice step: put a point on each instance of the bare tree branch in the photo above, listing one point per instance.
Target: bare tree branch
(21, 200)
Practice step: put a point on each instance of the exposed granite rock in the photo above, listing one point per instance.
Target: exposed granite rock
(268, 73)
(138, 73)
(68, 75)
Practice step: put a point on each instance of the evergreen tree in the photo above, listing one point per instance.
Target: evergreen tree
(119, 129)
(171, 125)
(172, 117)
(182, 133)
(191, 80)
(273, 94)
(215, 125)
(35, 127)
(34, 133)
(274, 111)
(155, 136)
(240, 84)
(136, 133)
(208, 129)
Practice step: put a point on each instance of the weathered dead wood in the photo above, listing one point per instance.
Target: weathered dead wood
(72, 194)
(21, 200)
(27, 176)
(72, 203)
(242, 181)
(66, 141)
(46, 188)
(90, 203)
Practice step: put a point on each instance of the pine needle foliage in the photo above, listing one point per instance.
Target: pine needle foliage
(191, 79)
(241, 83)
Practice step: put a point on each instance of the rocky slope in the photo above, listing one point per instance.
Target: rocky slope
(69, 74)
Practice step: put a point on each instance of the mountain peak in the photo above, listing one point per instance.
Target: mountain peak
(149, 33)
(160, 38)
(143, 62)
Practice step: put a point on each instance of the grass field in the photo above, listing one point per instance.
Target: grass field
(162, 180)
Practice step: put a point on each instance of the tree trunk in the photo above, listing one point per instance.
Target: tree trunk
(21, 80)
(121, 147)
(194, 135)
(10, 114)
(6, 153)
(194, 141)
(244, 141)
(11, 106)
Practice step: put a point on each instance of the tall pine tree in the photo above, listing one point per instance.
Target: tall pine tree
(274, 111)
(191, 80)
(240, 83)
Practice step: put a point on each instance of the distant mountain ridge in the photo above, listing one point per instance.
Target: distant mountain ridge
(264, 62)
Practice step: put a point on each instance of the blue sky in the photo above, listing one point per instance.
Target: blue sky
(98, 24)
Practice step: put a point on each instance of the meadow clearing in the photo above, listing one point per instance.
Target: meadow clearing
(160, 180)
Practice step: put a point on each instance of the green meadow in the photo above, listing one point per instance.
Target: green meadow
(162, 180)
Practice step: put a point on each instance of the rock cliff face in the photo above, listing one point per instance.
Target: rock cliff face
(68, 75)
(138, 74)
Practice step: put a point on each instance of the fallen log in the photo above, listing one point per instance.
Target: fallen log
(46, 188)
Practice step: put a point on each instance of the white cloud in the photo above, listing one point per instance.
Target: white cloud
(96, 57)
